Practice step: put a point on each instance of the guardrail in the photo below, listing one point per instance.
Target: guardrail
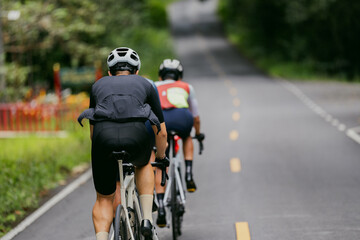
(30, 117)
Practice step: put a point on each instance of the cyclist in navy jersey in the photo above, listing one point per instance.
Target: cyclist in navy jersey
(120, 104)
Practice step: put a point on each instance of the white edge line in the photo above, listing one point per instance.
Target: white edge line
(43, 134)
(353, 133)
(49, 204)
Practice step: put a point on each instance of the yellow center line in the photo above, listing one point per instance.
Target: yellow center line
(228, 82)
(242, 231)
(235, 165)
(236, 102)
(236, 116)
(234, 135)
(233, 91)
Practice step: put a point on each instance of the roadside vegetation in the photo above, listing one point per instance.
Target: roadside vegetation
(31, 166)
(297, 39)
(75, 34)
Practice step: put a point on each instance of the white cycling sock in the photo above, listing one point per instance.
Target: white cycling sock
(146, 202)
(102, 236)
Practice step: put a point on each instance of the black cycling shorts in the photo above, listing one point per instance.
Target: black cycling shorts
(150, 132)
(179, 120)
(111, 136)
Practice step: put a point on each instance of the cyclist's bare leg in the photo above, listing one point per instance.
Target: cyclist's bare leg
(160, 190)
(188, 148)
(117, 198)
(144, 177)
(103, 212)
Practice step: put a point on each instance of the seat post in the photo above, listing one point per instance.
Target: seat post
(122, 187)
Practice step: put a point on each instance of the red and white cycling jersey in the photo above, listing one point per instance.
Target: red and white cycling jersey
(177, 94)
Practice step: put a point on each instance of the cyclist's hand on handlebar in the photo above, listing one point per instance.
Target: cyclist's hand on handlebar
(200, 137)
(162, 163)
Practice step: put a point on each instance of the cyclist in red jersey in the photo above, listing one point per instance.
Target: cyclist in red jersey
(180, 109)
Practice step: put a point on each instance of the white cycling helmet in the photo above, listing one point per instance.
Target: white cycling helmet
(124, 55)
(171, 68)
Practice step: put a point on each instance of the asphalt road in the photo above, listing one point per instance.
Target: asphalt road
(274, 163)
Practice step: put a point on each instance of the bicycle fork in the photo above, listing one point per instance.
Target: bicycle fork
(180, 187)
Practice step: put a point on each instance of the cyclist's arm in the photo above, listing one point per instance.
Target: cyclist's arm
(160, 137)
(160, 140)
(92, 105)
(193, 107)
(154, 102)
(153, 84)
(197, 125)
(193, 103)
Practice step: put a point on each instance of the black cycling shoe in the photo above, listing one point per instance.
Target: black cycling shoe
(181, 210)
(190, 183)
(146, 228)
(161, 219)
(154, 206)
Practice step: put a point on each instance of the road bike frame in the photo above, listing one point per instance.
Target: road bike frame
(129, 198)
(174, 199)
(175, 168)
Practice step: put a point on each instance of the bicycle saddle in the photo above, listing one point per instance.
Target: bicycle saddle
(122, 155)
(172, 133)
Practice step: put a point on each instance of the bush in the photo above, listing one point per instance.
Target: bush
(324, 33)
(80, 33)
(15, 78)
(157, 14)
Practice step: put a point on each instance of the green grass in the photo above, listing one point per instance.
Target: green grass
(30, 166)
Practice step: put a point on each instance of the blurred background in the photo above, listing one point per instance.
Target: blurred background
(51, 51)
(50, 54)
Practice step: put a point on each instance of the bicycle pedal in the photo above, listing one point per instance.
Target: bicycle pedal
(181, 210)
(191, 189)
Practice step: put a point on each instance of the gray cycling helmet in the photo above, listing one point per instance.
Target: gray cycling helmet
(171, 68)
(124, 55)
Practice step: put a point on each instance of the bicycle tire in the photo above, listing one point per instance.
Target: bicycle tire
(120, 229)
(174, 204)
(135, 223)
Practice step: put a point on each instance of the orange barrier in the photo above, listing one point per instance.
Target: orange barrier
(38, 117)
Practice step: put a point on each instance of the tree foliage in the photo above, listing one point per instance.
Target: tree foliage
(324, 32)
(78, 32)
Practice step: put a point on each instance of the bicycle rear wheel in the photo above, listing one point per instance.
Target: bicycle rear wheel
(120, 229)
(175, 218)
(135, 223)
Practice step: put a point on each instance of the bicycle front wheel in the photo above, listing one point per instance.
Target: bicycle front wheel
(120, 230)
